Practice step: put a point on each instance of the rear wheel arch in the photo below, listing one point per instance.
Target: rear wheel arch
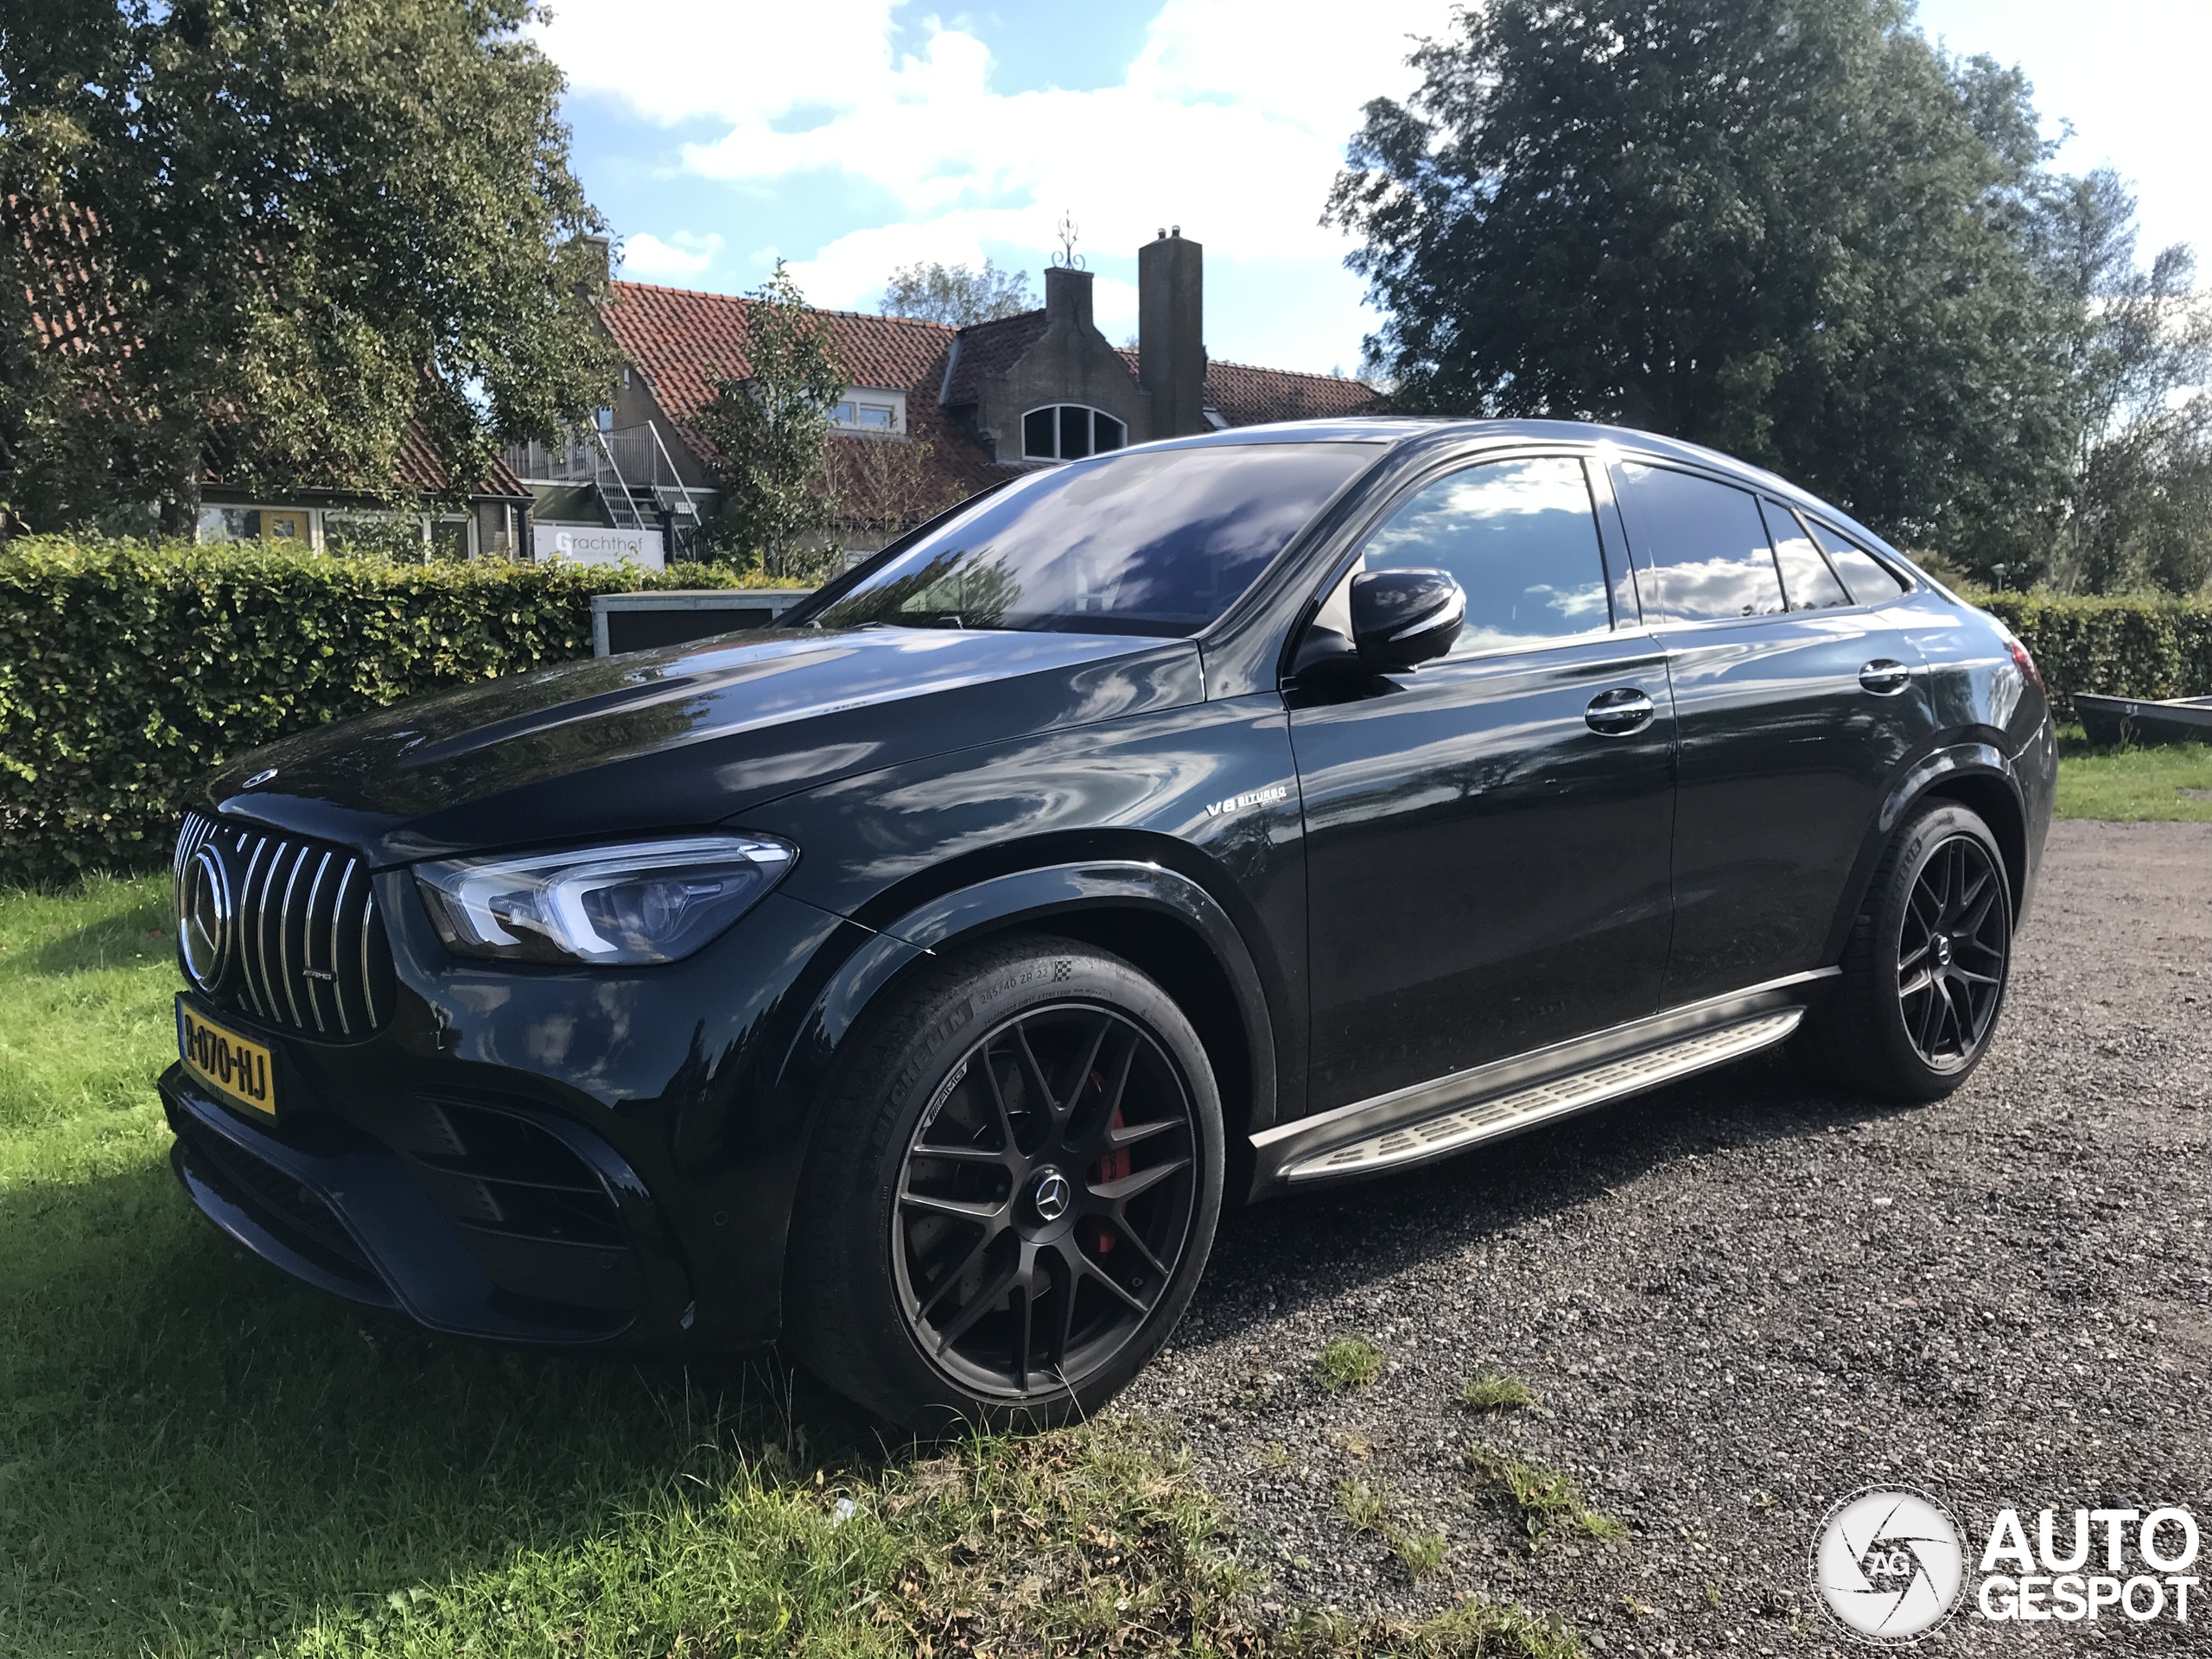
(1975, 775)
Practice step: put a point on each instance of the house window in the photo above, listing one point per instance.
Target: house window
(257, 524)
(879, 413)
(1069, 432)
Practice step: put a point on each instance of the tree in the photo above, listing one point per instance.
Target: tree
(1787, 228)
(957, 294)
(769, 427)
(281, 234)
(2137, 348)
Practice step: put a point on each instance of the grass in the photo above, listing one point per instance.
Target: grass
(1548, 1501)
(2132, 783)
(1348, 1362)
(197, 1458)
(1496, 1391)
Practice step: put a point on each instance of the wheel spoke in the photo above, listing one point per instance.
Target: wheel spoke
(1099, 1276)
(949, 1280)
(1022, 1305)
(1065, 1277)
(1084, 1068)
(1931, 1018)
(984, 1300)
(1129, 1133)
(957, 1209)
(1912, 959)
(963, 1155)
(998, 1099)
(1141, 1180)
(1128, 1234)
(1919, 982)
(1036, 1072)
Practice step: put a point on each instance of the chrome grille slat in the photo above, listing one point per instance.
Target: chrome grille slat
(327, 945)
(368, 979)
(307, 942)
(284, 940)
(337, 980)
(261, 928)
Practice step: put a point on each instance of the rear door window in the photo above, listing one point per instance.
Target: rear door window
(1870, 582)
(1807, 582)
(1705, 542)
(1519, 537)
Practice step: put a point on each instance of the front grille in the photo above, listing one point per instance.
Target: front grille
(308, 948)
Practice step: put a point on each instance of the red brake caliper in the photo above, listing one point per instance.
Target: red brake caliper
(1112, 1166)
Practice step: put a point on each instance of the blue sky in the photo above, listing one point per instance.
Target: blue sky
(850, 136)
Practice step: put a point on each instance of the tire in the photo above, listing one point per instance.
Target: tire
(991, 1236)
(1927, 963)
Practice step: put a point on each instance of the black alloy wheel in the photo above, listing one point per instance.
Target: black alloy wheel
(1925, 966)
(1952, 951)
(1015, 1173)
(1046, 1199)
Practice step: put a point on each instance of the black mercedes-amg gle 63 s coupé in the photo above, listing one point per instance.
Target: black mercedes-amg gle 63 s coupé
(912, 982)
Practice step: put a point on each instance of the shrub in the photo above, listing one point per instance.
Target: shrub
(2128, 647)
(127, 669)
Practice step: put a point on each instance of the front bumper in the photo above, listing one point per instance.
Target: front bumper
(599, 1157)
(536, 1247)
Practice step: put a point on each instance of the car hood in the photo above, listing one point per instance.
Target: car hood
(684, 737)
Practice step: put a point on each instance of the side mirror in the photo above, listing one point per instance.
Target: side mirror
(1402, 618)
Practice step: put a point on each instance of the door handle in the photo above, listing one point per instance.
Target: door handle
(1885, 676)
(1618, 712)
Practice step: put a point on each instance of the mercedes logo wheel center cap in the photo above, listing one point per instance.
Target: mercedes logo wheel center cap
(1049, 1194)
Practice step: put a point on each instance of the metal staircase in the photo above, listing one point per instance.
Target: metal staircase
(628, 470)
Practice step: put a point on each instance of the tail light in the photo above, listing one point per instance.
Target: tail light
(2025, 662)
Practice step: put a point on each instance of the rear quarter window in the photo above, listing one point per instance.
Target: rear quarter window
(1705, 541)
(1870, 582)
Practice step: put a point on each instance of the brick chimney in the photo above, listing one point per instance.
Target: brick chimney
(1067, 296)
(1170, 332)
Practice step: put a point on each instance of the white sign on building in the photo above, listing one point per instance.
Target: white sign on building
(594, 544)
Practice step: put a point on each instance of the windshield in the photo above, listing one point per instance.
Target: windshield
(1150, 542)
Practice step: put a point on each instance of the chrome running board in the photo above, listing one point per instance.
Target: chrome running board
(1435, 1120)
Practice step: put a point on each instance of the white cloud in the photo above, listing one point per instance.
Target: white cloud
(1231, 122)
(684, 254)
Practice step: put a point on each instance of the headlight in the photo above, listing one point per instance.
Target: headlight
(641, 901)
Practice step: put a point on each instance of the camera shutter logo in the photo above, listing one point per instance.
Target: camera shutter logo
(1888, 1564)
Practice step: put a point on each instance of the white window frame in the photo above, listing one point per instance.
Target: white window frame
(1055, 458)
(860, 399)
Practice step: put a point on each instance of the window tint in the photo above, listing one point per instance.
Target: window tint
(1868, 580)
(1706, 541)
(1522, 538)
(1157, 541)
(1806, 579)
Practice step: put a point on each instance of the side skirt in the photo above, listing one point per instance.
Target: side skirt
(1449, 1114)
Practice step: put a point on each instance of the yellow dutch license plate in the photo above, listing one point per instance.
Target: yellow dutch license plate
(225, 1061)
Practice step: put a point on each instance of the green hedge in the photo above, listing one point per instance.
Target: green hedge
(2126, 647)
(127, 670)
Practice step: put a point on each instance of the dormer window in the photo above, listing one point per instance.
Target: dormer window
(877, 414)
(1069, 432)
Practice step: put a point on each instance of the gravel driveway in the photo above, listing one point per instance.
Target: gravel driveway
(1741, 1298)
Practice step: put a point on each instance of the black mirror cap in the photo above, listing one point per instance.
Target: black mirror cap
(1402, 618)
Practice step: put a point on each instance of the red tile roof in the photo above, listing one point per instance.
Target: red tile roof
(686, 340)
(1245, 396)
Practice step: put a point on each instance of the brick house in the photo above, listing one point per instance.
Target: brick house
(934, 413)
